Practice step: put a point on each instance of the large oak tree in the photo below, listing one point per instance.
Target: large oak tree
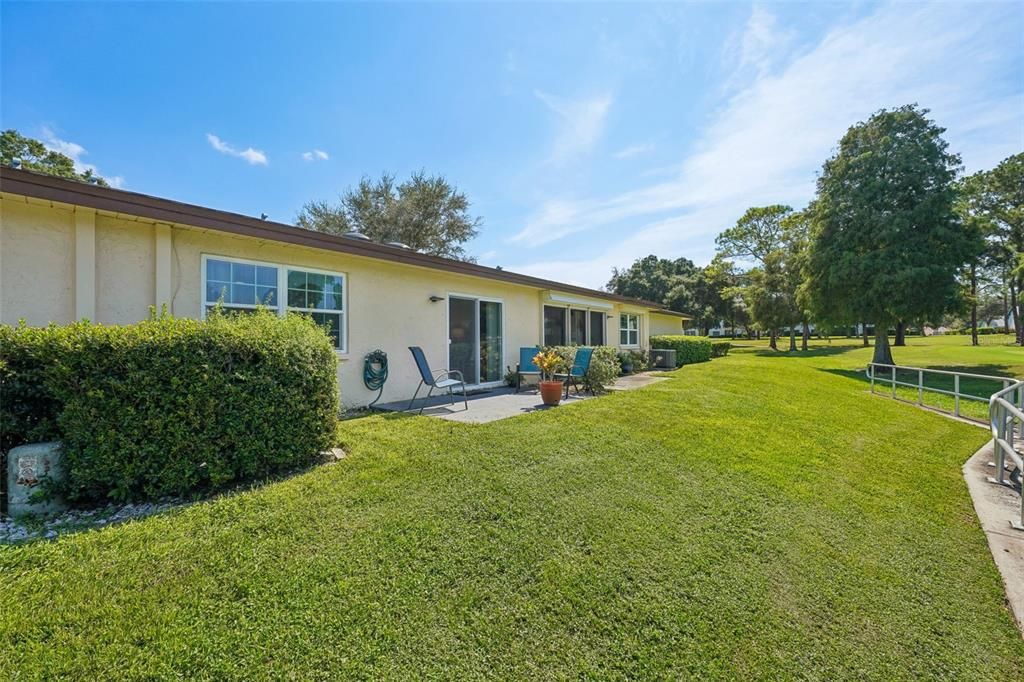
(886, 243)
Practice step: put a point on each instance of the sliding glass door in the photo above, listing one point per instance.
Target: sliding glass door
(475, 339)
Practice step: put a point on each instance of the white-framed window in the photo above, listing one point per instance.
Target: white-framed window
(320, 295)
(239, 285)
(243, 285)
(629, 329)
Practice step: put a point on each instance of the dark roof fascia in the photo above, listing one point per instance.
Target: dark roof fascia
(61, 190)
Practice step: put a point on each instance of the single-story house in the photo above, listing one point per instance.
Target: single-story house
(71, 250)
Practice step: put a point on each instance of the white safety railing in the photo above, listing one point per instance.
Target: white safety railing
(1007, 420)
(887, 375)
(1005, 411)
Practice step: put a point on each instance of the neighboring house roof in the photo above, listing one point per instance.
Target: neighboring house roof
(48, 187)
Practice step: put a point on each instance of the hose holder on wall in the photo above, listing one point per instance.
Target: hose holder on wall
(375, 373)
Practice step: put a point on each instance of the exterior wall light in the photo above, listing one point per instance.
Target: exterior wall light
(435, 299)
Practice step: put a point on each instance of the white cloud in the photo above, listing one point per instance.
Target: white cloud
(633, 150)
(75, 152)
(770, 138)
(315, 155)
(762, 42)
(252, 156)
(580, 123)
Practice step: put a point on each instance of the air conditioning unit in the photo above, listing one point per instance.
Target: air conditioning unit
(663, 358)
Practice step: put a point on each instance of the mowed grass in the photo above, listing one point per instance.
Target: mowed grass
(757, 517)
(996, 356)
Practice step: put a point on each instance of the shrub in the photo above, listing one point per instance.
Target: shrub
(689, 349)
(28, 411)
(604, 366)
(719, 349)
(173, 406)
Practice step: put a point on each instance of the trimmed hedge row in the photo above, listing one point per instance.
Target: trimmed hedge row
(170, 406)
(689, 349)
(719, 349)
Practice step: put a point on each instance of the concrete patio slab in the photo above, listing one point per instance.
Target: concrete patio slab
(502, 403)
(487, 406)
(996, 507)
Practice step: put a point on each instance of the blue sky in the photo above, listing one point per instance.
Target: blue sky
(585, 135)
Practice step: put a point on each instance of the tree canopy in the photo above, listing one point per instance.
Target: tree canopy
(886, 243)
(756, 234)
(676, 284)
(34, 156)
(425, 212)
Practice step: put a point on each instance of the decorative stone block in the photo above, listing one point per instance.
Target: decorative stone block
(27, 467)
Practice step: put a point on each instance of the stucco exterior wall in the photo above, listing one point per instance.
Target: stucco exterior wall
(125, 279)
(37, 246)
(665, 324)
(136, 261)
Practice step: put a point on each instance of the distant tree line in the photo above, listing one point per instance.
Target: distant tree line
(894, 237)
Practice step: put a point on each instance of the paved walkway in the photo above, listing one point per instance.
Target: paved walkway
(996, 507)
(501, 403)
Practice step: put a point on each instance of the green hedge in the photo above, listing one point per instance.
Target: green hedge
(689, 349)
(719, 349)
(171, 406)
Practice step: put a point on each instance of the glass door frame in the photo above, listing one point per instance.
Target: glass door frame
(476, 298)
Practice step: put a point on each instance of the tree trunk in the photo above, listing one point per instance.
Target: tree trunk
(1017, 326)
(864, 333)
(883, 354)
(792, 339)
(974, 304)
(805, 335)
(772, 343)
(901, 334)
(1006, 310)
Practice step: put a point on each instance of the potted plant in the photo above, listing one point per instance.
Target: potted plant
(626, 362)
(550, 363)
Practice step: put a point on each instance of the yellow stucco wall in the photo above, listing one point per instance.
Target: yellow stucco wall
(388, 304)
(124, 270)
(36, 263)
(665, 324)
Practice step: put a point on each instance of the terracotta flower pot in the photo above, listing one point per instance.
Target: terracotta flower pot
(551, 392)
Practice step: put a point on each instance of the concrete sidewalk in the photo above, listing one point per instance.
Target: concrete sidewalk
(996, 507)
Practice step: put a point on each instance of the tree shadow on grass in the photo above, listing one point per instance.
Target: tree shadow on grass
(938, 389)
(817, 352)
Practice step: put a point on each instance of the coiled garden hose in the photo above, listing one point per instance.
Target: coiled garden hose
(375, 373)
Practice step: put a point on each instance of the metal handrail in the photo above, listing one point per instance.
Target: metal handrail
(1006, 417)
(957, 394)
(1005, 410)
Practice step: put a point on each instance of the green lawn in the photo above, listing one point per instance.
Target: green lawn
(996, 356)
(759, 516)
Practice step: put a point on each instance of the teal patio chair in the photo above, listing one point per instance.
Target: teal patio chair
(526, 366)
(579, 369)
(441, 379)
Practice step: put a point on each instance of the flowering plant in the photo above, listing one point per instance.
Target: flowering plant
(550, 363)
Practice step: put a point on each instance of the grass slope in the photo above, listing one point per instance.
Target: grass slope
(759, 516)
